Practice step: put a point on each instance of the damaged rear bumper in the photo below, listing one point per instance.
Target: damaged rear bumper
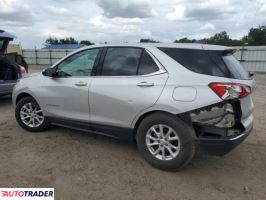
(222, 145)
(221, 127)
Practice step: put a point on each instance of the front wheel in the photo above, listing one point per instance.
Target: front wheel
(30, 116)
(165, 141)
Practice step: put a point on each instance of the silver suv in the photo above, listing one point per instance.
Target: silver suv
(171, 99)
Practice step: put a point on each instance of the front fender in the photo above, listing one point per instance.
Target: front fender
(24, 91)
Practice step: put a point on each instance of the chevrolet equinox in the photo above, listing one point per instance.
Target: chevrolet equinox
(171, 99)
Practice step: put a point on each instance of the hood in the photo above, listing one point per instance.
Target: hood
(5, 38)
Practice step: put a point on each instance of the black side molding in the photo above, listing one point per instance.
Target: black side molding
(121, 133)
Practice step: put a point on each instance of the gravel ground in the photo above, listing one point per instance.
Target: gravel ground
(87, 166)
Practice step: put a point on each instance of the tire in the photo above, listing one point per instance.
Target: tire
(184, 141)
(22, 111)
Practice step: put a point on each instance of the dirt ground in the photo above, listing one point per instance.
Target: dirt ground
(86, 166)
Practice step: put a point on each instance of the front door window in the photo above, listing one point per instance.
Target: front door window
(79, 64)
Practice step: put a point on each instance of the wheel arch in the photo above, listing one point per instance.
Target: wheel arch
(21, 96)
(182, 116)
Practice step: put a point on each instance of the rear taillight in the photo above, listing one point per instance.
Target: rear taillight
(230, 90)
(22, 69)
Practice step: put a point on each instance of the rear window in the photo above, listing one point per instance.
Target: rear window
(235, 67)
(214, 63)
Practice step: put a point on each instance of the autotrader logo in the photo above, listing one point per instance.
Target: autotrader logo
(26, 193)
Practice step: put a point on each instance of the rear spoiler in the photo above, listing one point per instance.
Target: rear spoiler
(228, 51)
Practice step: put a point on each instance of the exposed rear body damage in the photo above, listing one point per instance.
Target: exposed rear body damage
(219, 127)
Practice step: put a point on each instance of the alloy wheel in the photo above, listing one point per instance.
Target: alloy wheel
(163, 142)
(31, 115)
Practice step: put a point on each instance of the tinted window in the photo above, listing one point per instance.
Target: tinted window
(194, 60)
(121, 61)
(147, 64)
(1, 44)
(11, 57)
(212, 63)
(235, 67)
(217, 59)
(79, 64)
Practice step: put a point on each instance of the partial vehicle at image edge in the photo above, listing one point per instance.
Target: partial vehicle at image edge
(171, 99)
(12, 65)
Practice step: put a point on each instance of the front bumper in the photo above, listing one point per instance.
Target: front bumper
(222, 146)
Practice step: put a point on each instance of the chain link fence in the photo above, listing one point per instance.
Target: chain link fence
(44, 56)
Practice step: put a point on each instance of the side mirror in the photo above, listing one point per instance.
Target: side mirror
(49, 72)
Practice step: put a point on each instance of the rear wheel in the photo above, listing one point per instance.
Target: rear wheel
(30, 116)
(165, 141)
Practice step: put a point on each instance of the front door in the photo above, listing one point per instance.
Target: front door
(67, 94)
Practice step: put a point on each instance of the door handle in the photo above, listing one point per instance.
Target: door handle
(145, 84)
(81, 83)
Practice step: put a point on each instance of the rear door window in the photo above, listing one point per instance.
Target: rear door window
(147, 65)
(121, 61)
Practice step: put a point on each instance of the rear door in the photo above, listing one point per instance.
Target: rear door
(130, 80)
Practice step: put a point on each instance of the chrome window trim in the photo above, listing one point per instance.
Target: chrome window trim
(133, 76)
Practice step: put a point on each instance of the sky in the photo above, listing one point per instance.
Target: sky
(118, 21)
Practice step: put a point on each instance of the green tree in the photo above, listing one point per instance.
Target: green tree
(67, 40)
(256, 36)
(86, 42)
(51, 40)
(185, 40)
(149, 40)
(223, 38)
